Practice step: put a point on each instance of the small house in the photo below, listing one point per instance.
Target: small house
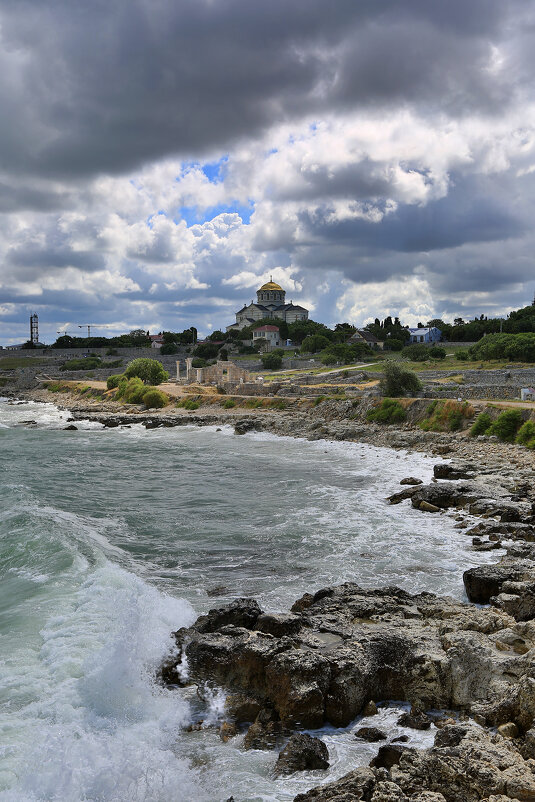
(425, 335)
(268, 333)
(527, 394)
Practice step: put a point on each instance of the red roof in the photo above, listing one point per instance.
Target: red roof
(266, 328)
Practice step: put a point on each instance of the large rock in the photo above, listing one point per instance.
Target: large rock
(302, 753)
(466, 764)
(349, 646)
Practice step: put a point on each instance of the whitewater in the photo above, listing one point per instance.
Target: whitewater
(111, 539)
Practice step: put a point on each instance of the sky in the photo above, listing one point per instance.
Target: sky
(160, 159)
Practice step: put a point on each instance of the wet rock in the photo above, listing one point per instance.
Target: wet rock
(425, 506)
(485, 581)
(354, 645)
(369, 709)
(414, 720)
(279, 625)
(397, 498)
(509, 730)
(70, 428)
(266, 732)
(302, 753)
(370, 734)
(353, 787)
(410, 480)
(388, 756)
(241, 613)
(242, 708)
(227, 731)
(453, 470)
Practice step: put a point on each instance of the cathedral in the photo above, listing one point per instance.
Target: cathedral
(270, 303)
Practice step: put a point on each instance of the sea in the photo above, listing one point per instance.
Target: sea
(112, 539)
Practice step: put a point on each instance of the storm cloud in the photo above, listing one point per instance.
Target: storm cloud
(150, 152)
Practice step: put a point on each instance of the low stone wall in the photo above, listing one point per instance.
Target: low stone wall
(495, 392)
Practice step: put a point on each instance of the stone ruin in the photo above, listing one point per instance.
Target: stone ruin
(220, 373)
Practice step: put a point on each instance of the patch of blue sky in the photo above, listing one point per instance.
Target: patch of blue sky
(214, 171)
(193, 215)
(150, 219)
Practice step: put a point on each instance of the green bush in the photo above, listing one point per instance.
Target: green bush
(155, 399)
(481, 425)
(188, 403)
(277, 403)
(506, 425)
(150, 371)
(131, 391)
(318, 400)
(198, 363)
(398, 381)
(253, 403)
(113, 381)
(437, 352)
(271, 361)
(416, 352)
(84, 363)
(526, 435)
(168, 348)
(388, 411)
(462, 355)
(228, 403)
(314, 343)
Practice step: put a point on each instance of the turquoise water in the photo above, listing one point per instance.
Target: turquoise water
(110, 539)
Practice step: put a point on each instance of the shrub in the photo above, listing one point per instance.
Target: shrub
(388, 411)
(526, 435)
(277, 403)
(318, 400)
(228, 403)
(416, 352)
(271, 361)
(398, 381)
(437, 352)
(168, 348)
(314, 343)
(253, 403)
(506, 425)
(481, 425)
(462, 355)
(113, 381)
(198, 363)
(247, 349)
(393, 344)
(188, 403)
(206, 351)
(150, 371)
(132, 390)
(84, 363)
(446, 416)
(155, 399)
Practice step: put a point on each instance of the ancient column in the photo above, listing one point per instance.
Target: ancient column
(178, 370)
(189, 360)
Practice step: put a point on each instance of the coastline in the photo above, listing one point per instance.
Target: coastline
(479, 660)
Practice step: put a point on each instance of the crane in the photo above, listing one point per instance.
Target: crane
(91, 326)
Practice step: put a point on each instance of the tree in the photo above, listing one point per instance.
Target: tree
(436, 352)
(314, 343)
(398, 381)
(150, 371)
(416, 352)
(206, 351)
(271, 361)
(168, 348)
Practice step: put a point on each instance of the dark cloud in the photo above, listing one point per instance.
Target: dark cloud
(114, 84)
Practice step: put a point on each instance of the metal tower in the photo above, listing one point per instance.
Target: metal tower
(34, 329)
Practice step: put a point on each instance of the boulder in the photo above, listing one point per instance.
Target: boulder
(410, 480)
(370, 734)
(302, 753)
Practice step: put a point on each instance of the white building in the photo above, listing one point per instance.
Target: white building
(270, 303)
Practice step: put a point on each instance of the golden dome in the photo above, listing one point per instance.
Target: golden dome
(271, 286)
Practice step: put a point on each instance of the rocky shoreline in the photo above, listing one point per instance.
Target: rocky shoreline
(338, 653)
